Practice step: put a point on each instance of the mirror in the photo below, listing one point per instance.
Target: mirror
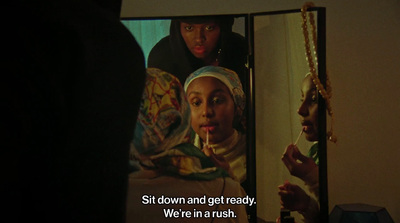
(171, 44)
(162, 43)
(273, 92)
(280, 67)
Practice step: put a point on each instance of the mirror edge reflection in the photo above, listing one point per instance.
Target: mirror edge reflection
(323, 174)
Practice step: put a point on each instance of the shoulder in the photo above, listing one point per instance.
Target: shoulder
(235, 49)
(161, 48)
(160, 55)
(236, 38)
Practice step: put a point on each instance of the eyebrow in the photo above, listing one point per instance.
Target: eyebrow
(218, 90)
(193, 92)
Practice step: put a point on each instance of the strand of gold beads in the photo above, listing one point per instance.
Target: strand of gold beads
(325, 93)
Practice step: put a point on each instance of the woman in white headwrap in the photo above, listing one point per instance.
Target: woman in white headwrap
(217, 101)
(166, 167)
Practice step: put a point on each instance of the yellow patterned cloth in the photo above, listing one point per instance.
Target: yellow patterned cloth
(164, 114)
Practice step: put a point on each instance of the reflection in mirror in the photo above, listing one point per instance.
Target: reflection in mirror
(183, 44)
(284, 104)
(217, 102)
(179, 49)
(170, 178)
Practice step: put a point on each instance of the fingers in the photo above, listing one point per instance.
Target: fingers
(288, 158)
(285, 188)
(207, 150)
(298, 164)
(303, 158)
(296, 152)
(281, 187)
(286, 198)
(288, 151)
(210, 153)
(293, 152)
(218, 160)
(293, 197)
(297, 155)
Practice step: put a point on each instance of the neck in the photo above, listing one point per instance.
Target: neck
(213, 59)
(227, 140)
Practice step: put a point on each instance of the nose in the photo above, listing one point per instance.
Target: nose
(199, 35)
(208, 110)
(303, 109)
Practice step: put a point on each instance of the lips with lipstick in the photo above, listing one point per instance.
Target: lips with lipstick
(199, 49)
(307, 126)
(209, 127)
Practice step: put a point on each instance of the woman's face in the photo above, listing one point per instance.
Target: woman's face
(308, 109)
(212, 109)
(201, 39)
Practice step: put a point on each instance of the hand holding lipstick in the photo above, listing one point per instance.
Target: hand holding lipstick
(297, 164)
(218, 160)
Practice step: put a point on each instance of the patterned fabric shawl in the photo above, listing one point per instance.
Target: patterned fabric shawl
(161, 129)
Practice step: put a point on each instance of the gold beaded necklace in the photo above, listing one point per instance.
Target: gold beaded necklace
(325, 93)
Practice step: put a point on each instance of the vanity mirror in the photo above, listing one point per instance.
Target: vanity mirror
(283, 106)
(274, 69)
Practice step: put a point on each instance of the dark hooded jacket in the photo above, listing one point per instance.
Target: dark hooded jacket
(74, 80)
(171, 54)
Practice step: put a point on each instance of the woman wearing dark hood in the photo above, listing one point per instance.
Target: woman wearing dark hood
(199, 41)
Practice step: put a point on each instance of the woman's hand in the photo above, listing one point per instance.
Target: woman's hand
(297, 164)
(218, 160)
(293, 197)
